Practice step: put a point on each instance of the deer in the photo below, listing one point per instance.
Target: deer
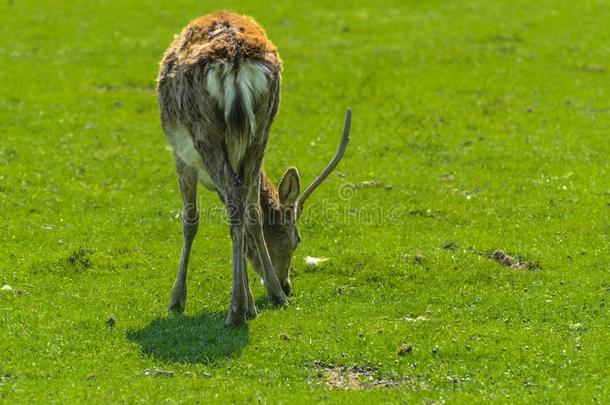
(218, 91)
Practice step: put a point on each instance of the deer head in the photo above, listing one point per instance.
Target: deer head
(283, 207)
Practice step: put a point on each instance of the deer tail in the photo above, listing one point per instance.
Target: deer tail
(237, 86)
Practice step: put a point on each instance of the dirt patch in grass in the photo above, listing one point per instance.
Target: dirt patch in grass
(450, 245)
(73, 262)
(156, 372)
(514, 263)
(417, 258)
(404, 349)
(79, 259)
(110, 322)
(354, 377)
(6, 378)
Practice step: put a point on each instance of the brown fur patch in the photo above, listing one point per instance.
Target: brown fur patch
(219, 36)
(269, 196)
(276, 216)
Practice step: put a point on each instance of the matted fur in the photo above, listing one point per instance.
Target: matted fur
(220, 78)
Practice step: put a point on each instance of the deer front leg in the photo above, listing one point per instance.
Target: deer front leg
(251, 312)
(239, 297)
(187, 180)
(255, 228)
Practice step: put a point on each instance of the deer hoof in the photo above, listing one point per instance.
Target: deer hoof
(177, 302)
(235, 319)
(251, 314)
(176, 306)
(287, 287)
(279, 300)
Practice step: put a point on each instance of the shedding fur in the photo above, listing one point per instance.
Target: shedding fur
(220, 79)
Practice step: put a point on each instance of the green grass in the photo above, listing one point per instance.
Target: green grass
(490, 120)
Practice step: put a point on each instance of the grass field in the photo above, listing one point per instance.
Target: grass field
(478, 126)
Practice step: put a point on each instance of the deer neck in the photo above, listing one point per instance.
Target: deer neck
(270, 202)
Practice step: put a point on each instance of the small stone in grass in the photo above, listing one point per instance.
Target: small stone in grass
(419, 258)
(450, 245)
(314, 261)
(369, 184)
(285, 336)
(404, 349)
(111, 321)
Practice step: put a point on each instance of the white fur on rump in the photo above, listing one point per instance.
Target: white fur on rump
(182, 142)
(248, 81)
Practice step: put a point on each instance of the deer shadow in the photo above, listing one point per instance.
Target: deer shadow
(201, 339)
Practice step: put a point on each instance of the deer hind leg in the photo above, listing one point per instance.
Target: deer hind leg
(239, 296)
(251, 312)
(187, 180)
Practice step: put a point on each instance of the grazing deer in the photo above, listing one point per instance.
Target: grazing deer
(219, 90)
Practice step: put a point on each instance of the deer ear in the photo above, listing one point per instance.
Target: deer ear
(290, 187)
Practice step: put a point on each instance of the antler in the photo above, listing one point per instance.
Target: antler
(331, 166)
